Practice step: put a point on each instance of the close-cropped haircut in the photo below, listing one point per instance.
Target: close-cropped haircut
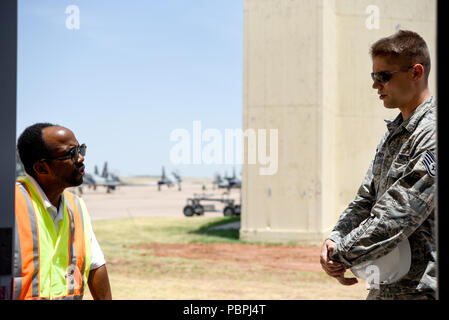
(405, 48)
(32, 147)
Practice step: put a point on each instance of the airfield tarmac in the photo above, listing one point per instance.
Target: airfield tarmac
(144, 200)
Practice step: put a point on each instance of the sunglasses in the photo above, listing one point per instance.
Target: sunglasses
(385, 76)
(73, 153)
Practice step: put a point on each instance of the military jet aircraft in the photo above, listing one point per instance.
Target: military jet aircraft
(217, 180)
(164, 180)
(228, 182)
(106, 179)
(178, 179)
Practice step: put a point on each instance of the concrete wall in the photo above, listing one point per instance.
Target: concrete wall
(306, 73)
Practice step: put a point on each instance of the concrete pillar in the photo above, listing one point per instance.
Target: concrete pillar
(284, 77)
(306, 74)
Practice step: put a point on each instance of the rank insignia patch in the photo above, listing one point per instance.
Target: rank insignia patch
(430, 163)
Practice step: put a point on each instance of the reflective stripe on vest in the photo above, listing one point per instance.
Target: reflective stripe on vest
(50, 265)
(27, 248)
(77, 248)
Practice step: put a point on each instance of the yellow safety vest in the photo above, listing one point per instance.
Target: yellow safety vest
(50, 264)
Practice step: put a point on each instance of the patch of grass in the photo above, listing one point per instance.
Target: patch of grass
(225, 235)
(118, 235)
(163, 230)
(218, 235)
(218, 222)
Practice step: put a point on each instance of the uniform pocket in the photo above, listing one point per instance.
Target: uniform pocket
(377, 164)
(398, 166)
(396, 172)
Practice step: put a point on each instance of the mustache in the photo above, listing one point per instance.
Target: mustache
(79, 167)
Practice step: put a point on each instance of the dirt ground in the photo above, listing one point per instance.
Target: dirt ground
(293, 258)
(227, 271)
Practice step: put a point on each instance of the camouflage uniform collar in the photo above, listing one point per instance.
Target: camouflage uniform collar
(412, 121)
(393, 124)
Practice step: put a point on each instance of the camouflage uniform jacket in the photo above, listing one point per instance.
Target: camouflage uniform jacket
(395, 202)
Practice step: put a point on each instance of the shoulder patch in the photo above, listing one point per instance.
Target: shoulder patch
(430, 163)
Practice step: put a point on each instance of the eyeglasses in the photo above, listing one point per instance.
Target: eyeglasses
(73, 153)
(385, 76)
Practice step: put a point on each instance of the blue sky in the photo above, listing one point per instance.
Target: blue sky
(133, 72)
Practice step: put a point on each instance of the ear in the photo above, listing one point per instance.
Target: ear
(41, 167)
(418, 72)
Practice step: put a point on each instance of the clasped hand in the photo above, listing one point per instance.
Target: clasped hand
(333, 268)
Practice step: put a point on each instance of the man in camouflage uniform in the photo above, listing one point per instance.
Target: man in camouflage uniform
(396, 199)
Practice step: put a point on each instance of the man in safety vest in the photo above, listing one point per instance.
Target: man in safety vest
(56, 254)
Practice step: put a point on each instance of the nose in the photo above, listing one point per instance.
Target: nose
(376, 84)
(80, 158)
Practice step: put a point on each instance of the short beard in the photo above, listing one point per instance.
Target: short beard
(76, 182)
(76, 179)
